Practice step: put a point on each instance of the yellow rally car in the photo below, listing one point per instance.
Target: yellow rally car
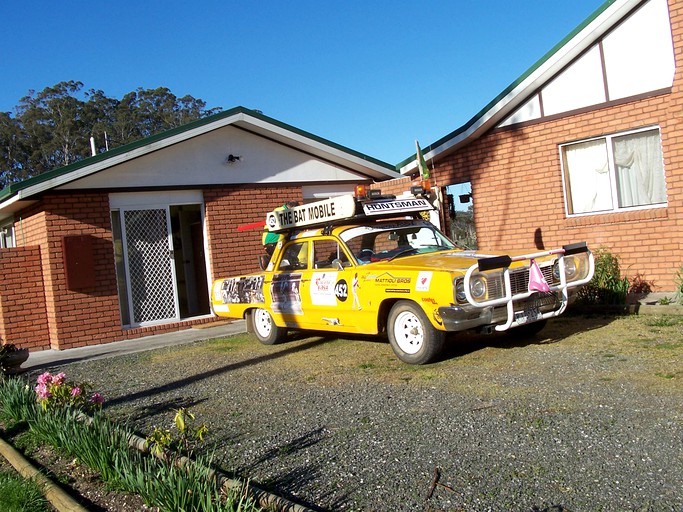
(370, 266)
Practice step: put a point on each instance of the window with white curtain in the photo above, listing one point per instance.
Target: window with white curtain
(6, 236)
(615, 172)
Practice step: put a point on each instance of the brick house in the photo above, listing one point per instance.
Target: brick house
(125, 243)
(586, 145)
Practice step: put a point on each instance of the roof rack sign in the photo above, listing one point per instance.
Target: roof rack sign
(396, 206)
(320, 212)
(340, 208)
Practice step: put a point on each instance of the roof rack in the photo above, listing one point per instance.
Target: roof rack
(337, 210)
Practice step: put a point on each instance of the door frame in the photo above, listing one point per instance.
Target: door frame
(122, 202)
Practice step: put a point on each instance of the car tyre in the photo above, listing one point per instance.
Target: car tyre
(265, 329)
(413, 338)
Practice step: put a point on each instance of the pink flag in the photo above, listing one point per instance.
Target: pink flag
(537, 282)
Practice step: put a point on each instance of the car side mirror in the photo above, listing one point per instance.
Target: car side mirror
(263, 261)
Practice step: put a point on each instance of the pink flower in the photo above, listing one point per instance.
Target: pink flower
(59, 378)
(44, 379)
(43, 391)
(75, 391)
(97, 399)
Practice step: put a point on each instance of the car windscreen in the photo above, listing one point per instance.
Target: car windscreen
(389, 240)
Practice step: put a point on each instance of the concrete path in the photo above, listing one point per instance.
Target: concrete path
(47, 358)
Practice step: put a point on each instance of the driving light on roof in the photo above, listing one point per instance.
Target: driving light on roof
(365, 192)
(422, 189)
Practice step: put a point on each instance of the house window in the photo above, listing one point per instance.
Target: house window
(6, 236)
(615, 172)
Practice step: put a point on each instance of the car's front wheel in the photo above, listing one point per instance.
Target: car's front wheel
(413, 338)
(265, 329)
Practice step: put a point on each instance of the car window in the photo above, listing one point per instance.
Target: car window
(391, 240)
(294, 257)
(327, 252)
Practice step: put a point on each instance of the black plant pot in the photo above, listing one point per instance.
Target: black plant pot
(12, 362)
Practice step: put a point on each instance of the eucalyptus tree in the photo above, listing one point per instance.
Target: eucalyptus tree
(52, 128)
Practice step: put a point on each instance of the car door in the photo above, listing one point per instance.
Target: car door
(331, 287)
(289, 284)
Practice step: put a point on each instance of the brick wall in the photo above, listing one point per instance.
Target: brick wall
(23, 319)
(236, 252)
(89, 316)
(519, 201)
(85, 316)
(396, 187)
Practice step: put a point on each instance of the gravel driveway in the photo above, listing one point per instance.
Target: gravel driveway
(586, 416)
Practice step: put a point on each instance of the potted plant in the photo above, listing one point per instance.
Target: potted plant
(11, 358)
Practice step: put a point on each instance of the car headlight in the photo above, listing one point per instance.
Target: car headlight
(478, 286)
(460, 290)
(571, 269)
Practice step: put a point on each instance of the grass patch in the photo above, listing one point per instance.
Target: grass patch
(665, 345)
(26, 442)
(229, 344)
(664, 321)
(367, 366)
(20, 495)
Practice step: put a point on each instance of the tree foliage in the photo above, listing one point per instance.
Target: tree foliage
(52, 128)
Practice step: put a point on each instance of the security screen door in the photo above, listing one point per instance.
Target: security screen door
(160, 258)
(148, 247)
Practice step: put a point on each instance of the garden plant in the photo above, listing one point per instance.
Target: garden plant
(69, 417)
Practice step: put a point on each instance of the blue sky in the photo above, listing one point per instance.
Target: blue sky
(370, 75)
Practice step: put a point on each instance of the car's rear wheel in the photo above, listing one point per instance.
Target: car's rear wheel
(413, 338)
(265, 329)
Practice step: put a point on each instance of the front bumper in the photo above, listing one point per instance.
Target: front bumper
(537, 307)
(458, 318)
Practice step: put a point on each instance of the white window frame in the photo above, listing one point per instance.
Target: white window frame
(7, 239)
(608, 140)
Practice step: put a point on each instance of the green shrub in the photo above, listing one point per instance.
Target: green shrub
(191, 487)
(185, 442)
(607, 285)
(679, 285)
(16, 400)
(96, 442)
